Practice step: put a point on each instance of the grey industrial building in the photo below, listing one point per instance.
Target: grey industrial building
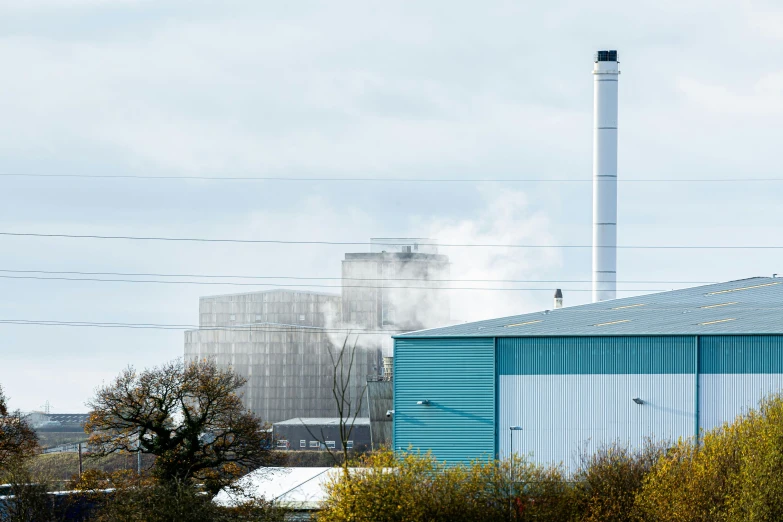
(283, 341)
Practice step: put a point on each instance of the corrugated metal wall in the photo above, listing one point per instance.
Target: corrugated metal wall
(568, 393)
(559, 414)
(735, 372)
(457, 376)
(595, 355)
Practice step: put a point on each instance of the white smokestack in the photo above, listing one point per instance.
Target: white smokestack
(558, 299)
(605, 75)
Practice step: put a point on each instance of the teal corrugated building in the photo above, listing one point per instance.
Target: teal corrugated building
(664, 365)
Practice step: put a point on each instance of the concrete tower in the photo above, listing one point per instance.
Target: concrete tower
(605, 75)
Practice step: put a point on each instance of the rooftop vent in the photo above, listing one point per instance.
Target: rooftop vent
(558, 299)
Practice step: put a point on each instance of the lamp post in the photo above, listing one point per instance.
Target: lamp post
(512, 429)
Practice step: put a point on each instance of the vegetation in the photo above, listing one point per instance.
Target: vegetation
(735, 474)
(189, 416)
(416, 487)
(17, 439)
(147, 499)
(62, 467)
(50, 439)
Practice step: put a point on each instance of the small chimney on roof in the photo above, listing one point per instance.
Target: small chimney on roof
(558, 299)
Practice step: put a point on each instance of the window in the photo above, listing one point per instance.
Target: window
(258, 317)
(330, 444)
(233, 317)
(282, 444)
(302, 443)
(349, 444)
(314, 444)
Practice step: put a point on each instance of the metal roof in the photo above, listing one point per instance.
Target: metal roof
(746, 306)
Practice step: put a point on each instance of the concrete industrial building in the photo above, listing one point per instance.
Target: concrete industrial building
(281, 340)
(664, 365)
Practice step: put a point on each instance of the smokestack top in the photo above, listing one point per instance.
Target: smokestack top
(558, 294)
(606, 56)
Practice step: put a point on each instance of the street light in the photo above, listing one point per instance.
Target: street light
(512, 429)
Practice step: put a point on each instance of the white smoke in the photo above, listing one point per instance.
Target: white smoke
(507, 219)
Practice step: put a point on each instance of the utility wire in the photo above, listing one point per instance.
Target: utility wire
(365, 243)
(387, 179)
(283, 286)
(299, 278)
(265, 327)
(300, 329)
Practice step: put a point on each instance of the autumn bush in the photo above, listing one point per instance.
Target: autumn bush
(607, 481)
(414, 487)
(734, 474)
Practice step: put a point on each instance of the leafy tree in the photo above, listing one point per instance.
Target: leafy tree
(18, 440)
(189, 416)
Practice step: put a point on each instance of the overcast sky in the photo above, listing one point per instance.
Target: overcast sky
(458, 90)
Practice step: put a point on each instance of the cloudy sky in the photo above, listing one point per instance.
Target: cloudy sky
(425, 90)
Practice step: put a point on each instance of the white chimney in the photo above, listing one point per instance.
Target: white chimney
(558, 299)
(605, 75)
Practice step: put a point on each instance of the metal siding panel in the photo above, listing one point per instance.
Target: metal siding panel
(570, 391)
(457, 376)
(561, 413)
(724, 396)
(741, 354)
(595, 355)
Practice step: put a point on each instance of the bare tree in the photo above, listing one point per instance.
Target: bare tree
(348, 407)
(189, 416)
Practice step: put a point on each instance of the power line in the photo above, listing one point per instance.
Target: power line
(265, 327)
(301, 278)
(299, 329)
(310, 285)
(388, 179)
(365, 243)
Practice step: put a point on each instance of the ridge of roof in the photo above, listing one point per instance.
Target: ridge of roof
(741, 306)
